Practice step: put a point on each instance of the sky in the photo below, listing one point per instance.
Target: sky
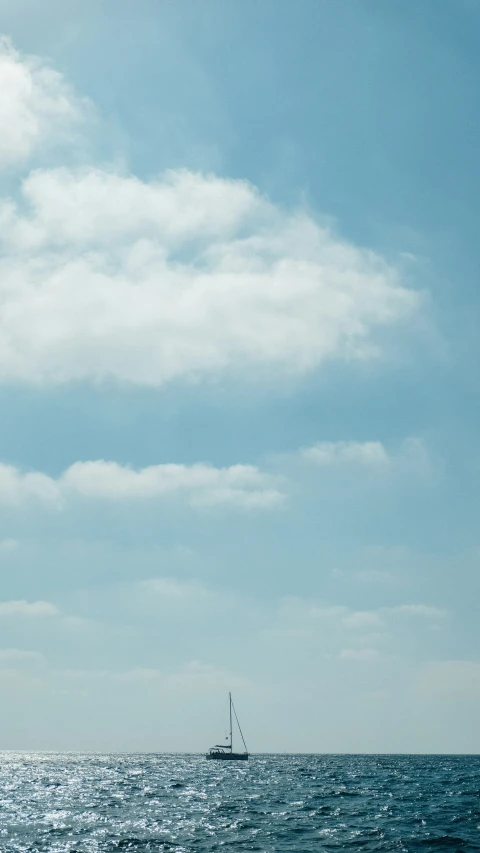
(239, 382)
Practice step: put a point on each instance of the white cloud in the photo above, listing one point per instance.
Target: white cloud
(17, 487)
(36, 105)
(347, 452)
(97, 208)
(32, 609)
(104, 276)
(241, 486)
(187, 275)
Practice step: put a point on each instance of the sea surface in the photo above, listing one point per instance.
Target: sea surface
(182, 803)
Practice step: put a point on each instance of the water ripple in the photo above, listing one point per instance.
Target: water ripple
(68, 803)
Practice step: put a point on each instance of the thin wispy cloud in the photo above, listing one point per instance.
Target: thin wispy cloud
(412, 454)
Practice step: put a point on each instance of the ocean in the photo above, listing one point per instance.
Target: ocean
(182, 803)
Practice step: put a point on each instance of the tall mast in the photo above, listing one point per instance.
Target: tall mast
(231, 736)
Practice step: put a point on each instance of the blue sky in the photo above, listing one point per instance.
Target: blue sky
(239, 374)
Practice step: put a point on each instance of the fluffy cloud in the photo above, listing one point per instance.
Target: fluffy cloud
(36, 105)
(187, 275)
(34, 609)
(243, 486)
(17, 487)
(105, 276)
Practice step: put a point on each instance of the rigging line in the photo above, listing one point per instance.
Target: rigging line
(239, 727)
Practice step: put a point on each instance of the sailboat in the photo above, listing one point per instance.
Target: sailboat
(225, 752)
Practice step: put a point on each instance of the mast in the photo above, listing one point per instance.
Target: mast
(231, 734)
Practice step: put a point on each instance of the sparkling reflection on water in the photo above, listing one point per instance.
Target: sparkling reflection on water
(182, 803)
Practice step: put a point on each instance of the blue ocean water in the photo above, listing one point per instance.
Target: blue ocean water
(177, 803)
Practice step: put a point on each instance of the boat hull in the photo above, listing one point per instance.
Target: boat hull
(227, 756)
